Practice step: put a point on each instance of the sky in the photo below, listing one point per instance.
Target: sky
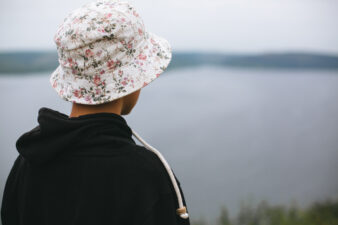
(226, 26)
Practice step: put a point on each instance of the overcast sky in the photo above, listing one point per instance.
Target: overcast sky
(205, 25)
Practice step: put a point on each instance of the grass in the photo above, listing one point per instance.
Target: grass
(318, 213)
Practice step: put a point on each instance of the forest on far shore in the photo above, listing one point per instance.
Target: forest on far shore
(46, 61)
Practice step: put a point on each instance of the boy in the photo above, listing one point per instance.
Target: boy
(85, 168)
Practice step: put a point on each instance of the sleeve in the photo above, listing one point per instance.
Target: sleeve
(9, 210)
(164, 212)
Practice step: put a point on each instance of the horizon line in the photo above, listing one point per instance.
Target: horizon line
(290, 51)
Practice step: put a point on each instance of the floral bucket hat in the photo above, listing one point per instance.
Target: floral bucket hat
(106, 53)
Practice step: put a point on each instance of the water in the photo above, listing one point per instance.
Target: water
(229, 135)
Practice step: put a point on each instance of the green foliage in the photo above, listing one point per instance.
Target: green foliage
(200, 221)
(319, 213)
(224, 217)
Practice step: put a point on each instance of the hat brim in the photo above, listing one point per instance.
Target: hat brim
(142, 69)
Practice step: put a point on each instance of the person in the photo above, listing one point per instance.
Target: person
(85, 168)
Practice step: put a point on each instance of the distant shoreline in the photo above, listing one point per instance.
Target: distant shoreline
(22, 62)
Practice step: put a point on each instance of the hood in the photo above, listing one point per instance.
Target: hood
(57, 133)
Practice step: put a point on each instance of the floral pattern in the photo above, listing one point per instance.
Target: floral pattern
(105, 53)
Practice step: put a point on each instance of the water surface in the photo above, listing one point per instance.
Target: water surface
(228, 134)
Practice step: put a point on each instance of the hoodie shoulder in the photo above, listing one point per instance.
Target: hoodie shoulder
(154, 164)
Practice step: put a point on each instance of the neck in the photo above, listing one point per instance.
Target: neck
(110, 107)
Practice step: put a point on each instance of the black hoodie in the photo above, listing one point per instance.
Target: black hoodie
(87, 170)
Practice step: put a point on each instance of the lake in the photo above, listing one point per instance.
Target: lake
(229, 134)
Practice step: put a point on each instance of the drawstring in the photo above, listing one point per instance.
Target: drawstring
(182, 210)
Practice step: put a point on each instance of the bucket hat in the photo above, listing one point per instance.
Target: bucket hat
(105, 53)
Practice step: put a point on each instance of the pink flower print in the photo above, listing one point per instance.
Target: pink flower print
(135, 13)
(152, 41)
(57, 41)
(61, 92)
(140, 32)
(102, 72)
(108, 15)
(101, 30)
(103, 83)
(142, 56)
(110, 63)
(70, 61)
(123, 20)
(130, 45)
(123, 42)
(97, 80)
(54, 84)
(124, 83)
(77, 93)
(157, 75)
(74, 71)
(120, 73)
(87, 98)
(76, 20)
(145, 84)
(97, 91)
(89, 53)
